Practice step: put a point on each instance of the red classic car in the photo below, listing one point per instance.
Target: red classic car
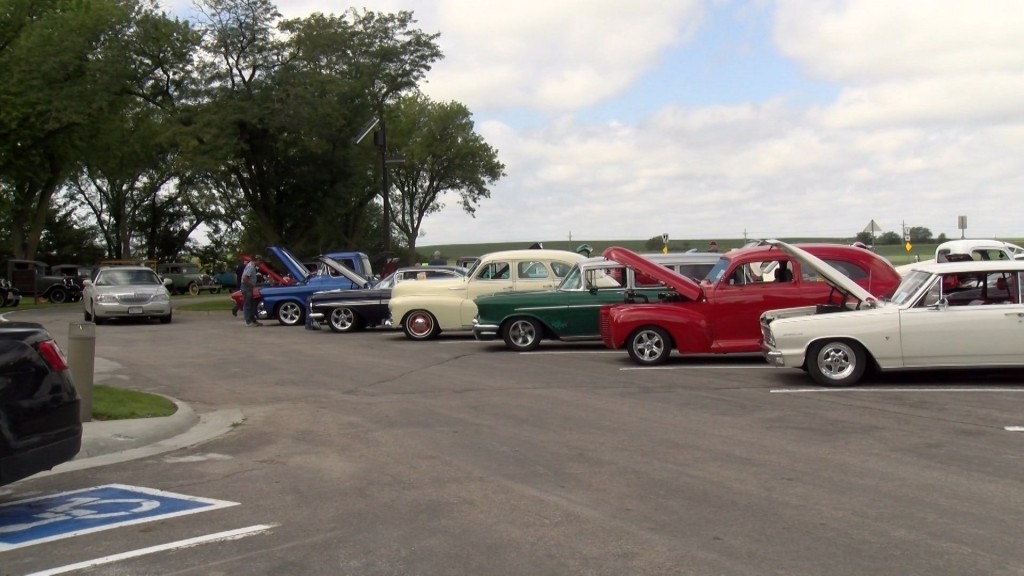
(720, 314)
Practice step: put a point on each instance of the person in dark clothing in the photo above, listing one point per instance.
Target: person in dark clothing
(437, 260)
(247, 285)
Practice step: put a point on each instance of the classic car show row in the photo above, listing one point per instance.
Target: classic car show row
(834, 311)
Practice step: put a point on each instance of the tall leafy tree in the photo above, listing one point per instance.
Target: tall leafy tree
(56, 90)
(285, 100)
(442, 154)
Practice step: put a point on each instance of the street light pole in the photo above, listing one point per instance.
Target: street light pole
(383, 143)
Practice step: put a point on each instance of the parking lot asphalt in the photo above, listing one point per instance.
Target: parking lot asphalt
(372, 454)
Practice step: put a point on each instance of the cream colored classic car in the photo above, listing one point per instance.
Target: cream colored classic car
(946, 315)
(425, 309)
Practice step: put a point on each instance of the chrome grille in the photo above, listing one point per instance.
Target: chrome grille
(133, 298)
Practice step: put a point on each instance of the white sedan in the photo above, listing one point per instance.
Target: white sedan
(126, 292)
(949, 315)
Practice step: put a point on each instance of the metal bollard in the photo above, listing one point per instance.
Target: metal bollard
(82, 361)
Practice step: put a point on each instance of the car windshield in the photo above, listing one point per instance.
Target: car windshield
(387, 282)
(715, 274)
(911, 285)
(127, 278)
(573, 280)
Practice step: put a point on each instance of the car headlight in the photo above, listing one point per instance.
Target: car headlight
(161, 297)
(106, 298)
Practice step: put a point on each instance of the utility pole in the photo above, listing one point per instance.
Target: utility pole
(380, 138)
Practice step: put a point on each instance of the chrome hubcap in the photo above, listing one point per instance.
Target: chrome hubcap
(649, 345)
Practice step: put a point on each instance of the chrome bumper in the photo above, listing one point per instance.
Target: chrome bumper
(775, 358)
(486, 332)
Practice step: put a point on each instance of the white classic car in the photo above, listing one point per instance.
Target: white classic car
(969, 249)
(424, 309)
(944, 315)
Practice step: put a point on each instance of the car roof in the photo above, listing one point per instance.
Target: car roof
(662, 258)
(965, 245)
(103, 268)
(531, 253)
(972, 266)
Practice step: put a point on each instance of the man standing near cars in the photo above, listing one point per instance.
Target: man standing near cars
(436, 260)
(247, 285)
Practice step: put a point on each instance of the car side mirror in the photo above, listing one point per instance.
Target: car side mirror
(168, 282)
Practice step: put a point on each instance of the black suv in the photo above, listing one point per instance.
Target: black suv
(39, 406)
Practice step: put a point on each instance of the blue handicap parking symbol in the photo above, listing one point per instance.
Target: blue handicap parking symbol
(47, 518)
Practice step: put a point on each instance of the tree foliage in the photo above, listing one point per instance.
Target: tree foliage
(442, 154)
(240, 121)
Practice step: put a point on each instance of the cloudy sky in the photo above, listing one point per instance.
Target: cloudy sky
(725, 118)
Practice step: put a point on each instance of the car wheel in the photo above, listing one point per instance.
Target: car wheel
(193, 288)
(58, 296)
(420, 325)
(649, 346)
(522, 334)
(166, 319)
(290, 314)
(343, 319)
(216, 290)
(836, 363)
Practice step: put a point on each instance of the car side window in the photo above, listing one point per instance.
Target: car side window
(560, 269)
(932, 296)
(604, 278)
(494, 271)
(848, 269)
(753, 273)
(531, 270)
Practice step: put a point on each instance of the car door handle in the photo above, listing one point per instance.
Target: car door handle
(1017, 314)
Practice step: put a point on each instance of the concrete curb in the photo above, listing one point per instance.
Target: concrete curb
(143, 437)
(105, 437)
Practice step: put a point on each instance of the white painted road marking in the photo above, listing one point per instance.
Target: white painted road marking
(693, 367)
(218, 537)
(868, 389)
(556, 352)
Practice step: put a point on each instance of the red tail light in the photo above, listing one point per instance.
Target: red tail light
(53, 356)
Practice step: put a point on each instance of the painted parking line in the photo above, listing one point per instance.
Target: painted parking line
(870, 389)
(48, 518)
(187, 543)
(557, 352)
(692, 367)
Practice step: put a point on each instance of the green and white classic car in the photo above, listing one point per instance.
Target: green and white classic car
(571, 311)
(425, 309)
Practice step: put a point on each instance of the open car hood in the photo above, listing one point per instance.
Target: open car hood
(830, 274)
(290, 262)
(344, 271)
(686, 287)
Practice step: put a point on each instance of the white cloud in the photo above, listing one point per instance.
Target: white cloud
(550, 55)
(928, 123)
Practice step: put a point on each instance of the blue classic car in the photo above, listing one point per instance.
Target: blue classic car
(288, 303)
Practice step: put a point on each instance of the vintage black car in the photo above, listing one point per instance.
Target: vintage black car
(9, 295)
(351, 310)
(32, 277)
(39, 406)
